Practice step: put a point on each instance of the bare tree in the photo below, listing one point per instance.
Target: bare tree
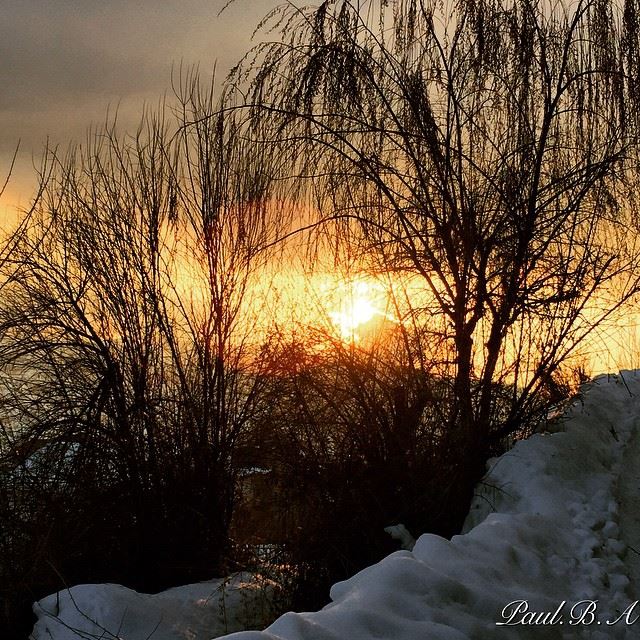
(489, 148)
(128, 341)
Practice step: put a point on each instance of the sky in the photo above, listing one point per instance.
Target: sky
(65, 63)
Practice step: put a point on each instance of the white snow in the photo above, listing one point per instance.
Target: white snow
(196, 611)
(552, 524)
(544, 527)
(400, 533)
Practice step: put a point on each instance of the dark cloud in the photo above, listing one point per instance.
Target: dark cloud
(49, 50)
(62, 62)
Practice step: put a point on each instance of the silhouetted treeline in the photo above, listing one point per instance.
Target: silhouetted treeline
(156, 429)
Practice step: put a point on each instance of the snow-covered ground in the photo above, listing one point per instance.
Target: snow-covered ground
(193, 612)
(551, 549)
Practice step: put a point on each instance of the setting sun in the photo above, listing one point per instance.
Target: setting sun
(359, 303)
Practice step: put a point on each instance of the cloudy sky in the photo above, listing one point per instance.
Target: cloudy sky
(64, 63)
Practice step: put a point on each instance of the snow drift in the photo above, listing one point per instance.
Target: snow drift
(113, 612)
(544, 528)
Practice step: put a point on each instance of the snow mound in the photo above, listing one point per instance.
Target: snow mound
(543, 527)
(193, 612)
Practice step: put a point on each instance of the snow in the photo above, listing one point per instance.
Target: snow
(545, 527)
(554, 522)
(629, 491)
(196, 611)
(400, 533)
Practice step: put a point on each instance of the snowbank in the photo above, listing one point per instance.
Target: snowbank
(543, 528)
(193, 612)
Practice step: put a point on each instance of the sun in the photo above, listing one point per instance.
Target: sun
(358, 304)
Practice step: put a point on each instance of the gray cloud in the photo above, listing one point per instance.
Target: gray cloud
(62, 62)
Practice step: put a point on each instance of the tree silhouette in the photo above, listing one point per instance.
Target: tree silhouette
(131, 368)
(489, 148)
